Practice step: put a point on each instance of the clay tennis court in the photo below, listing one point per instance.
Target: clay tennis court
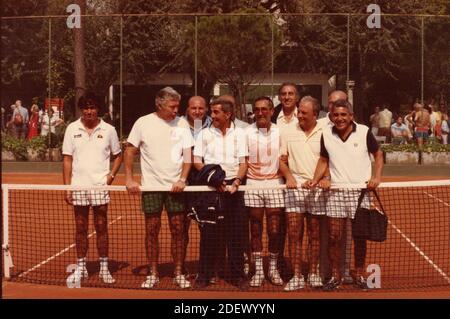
(421, 240)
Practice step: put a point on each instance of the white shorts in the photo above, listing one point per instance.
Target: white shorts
(90, 198)
(306, 201)
(342, 203)
(269, 198)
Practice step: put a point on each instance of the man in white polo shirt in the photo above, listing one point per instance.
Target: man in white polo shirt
(345, 149)
(164, 142)
(224, 144)
(289, 97)
(87, 148)
(301, 151)
(263, 140)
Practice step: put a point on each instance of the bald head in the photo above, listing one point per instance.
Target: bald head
(197, 109)
(335, 96)
(196, 100)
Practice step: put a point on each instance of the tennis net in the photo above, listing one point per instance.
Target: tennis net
(40, 245)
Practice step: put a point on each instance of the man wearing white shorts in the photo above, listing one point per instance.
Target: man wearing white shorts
(87, 148)
(345, 149)
(263, 141)
(164, 142)
(301, 151)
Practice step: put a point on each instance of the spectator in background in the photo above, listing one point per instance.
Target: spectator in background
(385, 121)
(445, 128)
(19, 120)
(421, 118)
(400, 132)
(375, 121)
(435, 119)
(49, 122)
(33, 123)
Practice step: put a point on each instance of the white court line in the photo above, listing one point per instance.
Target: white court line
(421, 253)
(62, 251)
(438, 199)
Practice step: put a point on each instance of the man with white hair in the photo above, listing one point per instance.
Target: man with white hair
(164, 142)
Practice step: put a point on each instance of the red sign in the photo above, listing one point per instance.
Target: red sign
(56, 103)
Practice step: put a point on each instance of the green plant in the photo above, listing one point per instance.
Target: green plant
(410, 148)
(38, 144)
(15, 145)
(436, 147)
(53, 140)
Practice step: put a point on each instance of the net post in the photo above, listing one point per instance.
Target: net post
(7, 260)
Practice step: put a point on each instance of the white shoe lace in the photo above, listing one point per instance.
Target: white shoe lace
(257, 279)
(106, 276)
(151, 281)
(182, 282)
(275, 278)
(295, 283)
(314, 280)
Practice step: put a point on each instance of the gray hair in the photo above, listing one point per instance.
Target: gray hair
(166, 94)
(315, 103)
(226, 105)
(288, 84)
(344, 103)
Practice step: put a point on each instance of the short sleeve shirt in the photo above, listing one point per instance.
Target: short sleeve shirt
(303, 151)
(161, 144)
(90, 153)
(224, 150)
(263, 152)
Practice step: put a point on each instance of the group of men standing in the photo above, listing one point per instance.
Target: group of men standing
(292, 147)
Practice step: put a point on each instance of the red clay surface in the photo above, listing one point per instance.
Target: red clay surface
(409, 241)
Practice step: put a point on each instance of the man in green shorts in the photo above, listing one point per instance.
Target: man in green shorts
(164, 142)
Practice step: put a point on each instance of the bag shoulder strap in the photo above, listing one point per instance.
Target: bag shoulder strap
(365, 191)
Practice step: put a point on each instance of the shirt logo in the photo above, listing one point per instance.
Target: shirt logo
(355, 144)
(77, 136)
(99, 136)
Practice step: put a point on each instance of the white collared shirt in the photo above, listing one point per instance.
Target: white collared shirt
(263, 152)
(286, 125)
(303, 151)
(224, 150)
(161, 145)
(325, 121)
(90, 153)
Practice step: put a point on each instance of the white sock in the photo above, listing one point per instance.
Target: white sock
(103, 263)
(258, 262)
(273, 259)
(81, 262)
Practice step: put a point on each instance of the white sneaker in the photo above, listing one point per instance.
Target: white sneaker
(257, 279)
(314, 280)
(106, 276)
(182, 282)
(83, 272)
(151, 282)
(275, 278)
(295, 283)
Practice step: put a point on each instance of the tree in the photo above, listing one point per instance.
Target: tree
(234, 49)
